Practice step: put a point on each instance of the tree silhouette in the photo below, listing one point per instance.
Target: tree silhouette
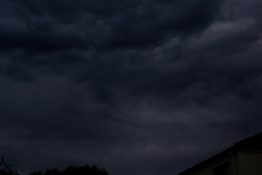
(74, 170)
(6, 169)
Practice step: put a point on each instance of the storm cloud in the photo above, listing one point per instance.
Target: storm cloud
(142, 87)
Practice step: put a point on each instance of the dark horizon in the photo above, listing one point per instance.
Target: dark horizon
(145, 87)
(59, 170)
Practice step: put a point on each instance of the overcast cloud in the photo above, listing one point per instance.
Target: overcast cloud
(145, 87)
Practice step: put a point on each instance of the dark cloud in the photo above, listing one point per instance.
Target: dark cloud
(139, 87)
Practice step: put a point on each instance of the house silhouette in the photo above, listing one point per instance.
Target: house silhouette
(243, 158)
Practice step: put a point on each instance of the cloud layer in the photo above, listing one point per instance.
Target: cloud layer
(139, 87)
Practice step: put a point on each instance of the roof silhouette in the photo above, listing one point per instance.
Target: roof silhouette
(251, 143)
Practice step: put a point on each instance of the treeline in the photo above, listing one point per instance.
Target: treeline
(6, 169)
(73, 170)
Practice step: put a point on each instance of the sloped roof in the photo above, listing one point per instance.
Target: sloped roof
(251, 143)
(254, 142)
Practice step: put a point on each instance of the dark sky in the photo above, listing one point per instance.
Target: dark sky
(140, 87)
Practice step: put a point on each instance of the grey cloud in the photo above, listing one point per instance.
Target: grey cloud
(139, 87)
